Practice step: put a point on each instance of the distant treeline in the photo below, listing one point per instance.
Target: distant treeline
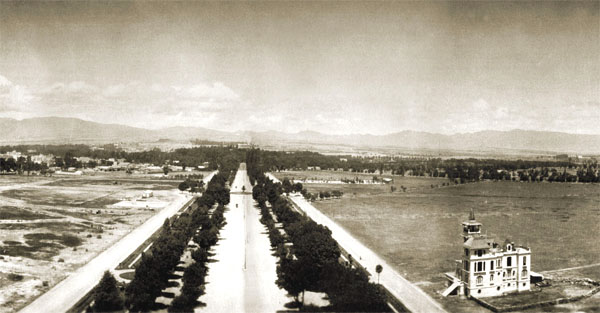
(227, 157)
(457, 170)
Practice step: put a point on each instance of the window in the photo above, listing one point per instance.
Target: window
(479, 280)
(498, 263)
(466, 252)
(480, 266)
(524, 261)
(498, 288)
(524, 284)
(524, 274)
(509, 261)
(513, 273)
(492, 278)
(479, 252)
(479, 291)
(492, 265)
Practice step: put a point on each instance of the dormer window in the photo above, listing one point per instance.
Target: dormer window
(508, 247)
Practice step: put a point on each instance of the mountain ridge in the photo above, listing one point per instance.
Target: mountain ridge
(64, 129)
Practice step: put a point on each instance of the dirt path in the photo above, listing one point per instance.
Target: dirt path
(66, 293)
(570, 268)
(415, 299)
(243, 279)
(25, 185)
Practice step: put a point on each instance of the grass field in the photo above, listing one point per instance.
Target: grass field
(558, 221)
(419, 233)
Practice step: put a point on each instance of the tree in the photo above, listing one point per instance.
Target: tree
(291, 276)
(107, 297)
(378, 269)
(183, 186)
(166, 169)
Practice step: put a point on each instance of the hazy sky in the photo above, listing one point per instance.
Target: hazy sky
(338, 67)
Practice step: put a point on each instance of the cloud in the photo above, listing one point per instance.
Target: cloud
(134, 103)
(217, 91)
(13, 97)
(217, 106)
(4, 81)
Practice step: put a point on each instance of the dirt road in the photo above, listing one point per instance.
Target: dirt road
(66, 293)
(243, 279)
(415, 299)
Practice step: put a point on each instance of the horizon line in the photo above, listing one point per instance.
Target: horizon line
(307, 130)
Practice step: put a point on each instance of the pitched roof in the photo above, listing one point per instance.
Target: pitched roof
(478, 242)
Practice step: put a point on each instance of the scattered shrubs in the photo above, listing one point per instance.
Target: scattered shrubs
(15, 277)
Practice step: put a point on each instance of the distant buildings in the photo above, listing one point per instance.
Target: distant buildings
(488, 269)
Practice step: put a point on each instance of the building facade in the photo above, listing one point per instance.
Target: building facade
(487, 268)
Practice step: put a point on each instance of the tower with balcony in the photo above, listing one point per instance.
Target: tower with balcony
(486, 268)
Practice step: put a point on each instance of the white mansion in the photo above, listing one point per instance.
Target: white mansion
(487, 268)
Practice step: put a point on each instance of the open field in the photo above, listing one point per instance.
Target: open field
(50, 226)
(418, 231)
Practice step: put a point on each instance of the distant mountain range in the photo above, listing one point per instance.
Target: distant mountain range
(72, 130)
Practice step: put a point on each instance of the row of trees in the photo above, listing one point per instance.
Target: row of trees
(313, 262)
(21, 165)
(192, 184)
(321, 195)
(195, 274)
(156, 266)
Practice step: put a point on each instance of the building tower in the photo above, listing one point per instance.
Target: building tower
(486, 268)
(471, 227)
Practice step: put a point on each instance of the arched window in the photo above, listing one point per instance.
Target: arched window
(479, 279)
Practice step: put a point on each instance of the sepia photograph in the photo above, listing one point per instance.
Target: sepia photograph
(299, 156)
